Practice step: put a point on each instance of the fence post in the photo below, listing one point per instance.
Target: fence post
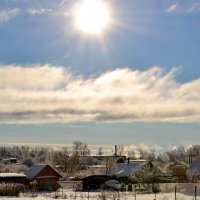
(135, 192)
(175, 192)
(195, 196)
(75, 193)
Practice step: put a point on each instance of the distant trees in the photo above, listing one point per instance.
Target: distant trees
(80, 148)
(25, 154)
(69, 162)
(181, 154)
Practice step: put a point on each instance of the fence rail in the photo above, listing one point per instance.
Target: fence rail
(168, 191)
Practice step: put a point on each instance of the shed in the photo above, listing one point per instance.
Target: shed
(10, 161)
(94, 182)
(46, 176)
(12, 178)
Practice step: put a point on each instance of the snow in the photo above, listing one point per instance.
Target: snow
(6, 175)
(95, 196)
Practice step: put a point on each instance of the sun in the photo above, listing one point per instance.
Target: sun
(92, 16)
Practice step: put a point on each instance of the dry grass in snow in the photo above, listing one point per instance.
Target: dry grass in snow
(104, 196)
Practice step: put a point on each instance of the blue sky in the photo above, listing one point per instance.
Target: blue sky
(138, 82)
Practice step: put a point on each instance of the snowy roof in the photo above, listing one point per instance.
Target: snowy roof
(138, 160)
(10, 175)
(96, 166)
(129, 169)
(34, 170)
(120, 166)
(195, 166)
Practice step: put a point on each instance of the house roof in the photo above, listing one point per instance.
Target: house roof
(36, 169)
(129, 169)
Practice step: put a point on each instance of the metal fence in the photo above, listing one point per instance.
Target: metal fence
(168, 191)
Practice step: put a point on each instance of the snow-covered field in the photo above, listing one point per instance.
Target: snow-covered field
(109, 195)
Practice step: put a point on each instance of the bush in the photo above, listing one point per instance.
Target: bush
(130, 187)
(120, 160)
(123, 188)
(28, 162)
(11, 189)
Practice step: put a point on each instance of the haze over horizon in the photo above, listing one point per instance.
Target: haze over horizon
(104, 72)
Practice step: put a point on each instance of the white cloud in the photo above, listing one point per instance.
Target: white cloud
(40, 94)
(39, 11)
(6, 15)
(173, 7)
(189, 7)
(195, 7)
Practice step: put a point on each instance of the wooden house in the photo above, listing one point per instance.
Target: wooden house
(45, 176)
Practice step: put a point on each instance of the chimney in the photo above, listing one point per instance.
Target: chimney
(115, 150)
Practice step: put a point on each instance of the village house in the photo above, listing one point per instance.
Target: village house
(45, 176)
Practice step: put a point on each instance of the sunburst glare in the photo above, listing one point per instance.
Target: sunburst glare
(92, 16)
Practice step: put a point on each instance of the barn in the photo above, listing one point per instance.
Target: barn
(46, 177)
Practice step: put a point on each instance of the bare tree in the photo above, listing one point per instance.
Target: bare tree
(131, 153)
(147, 176)
(61, 159)
(80, 148)
(120, 150)
(110, 164)
(100, 151)
(67, 163)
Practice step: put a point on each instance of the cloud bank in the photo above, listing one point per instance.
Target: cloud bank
(45, 94)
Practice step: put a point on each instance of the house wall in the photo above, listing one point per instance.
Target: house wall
(48, 171)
